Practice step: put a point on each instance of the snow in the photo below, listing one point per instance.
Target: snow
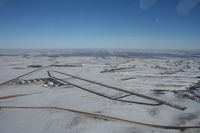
(150, 73)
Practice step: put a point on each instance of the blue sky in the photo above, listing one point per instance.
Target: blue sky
(134, 24)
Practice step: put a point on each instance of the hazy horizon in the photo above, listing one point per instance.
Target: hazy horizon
(102, 24)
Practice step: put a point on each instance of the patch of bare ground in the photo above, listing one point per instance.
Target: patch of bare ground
(183, 119)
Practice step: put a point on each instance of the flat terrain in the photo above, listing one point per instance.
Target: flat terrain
(164, 77)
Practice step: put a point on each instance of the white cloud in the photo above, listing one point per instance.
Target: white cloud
(186, 6)
(2, 2)
(146, 4)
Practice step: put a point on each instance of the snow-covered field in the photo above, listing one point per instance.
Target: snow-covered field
(141, 74)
